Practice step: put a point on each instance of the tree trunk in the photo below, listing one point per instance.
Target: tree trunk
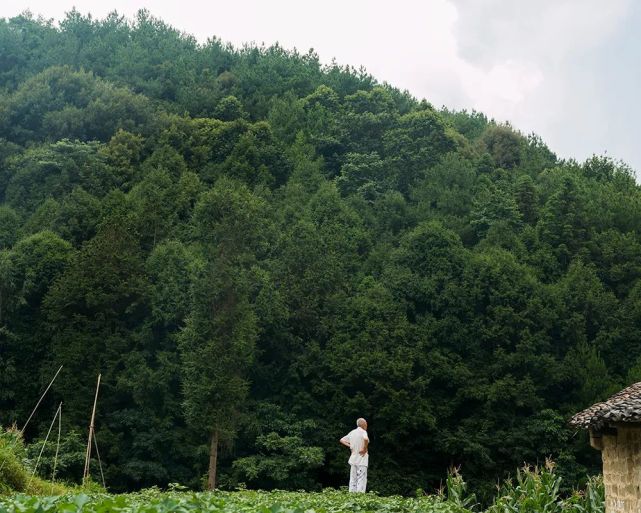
(213, 461)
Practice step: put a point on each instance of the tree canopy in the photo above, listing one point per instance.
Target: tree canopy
(255, 249)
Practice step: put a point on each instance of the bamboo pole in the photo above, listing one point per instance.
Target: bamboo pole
(91, 433)
(39, 401)
(30, 416)
(35, 468)
(102, 474)
(55, 458)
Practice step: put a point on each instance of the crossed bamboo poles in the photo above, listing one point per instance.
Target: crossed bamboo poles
(58, 415)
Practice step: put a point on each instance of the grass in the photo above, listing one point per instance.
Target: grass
(15, 472)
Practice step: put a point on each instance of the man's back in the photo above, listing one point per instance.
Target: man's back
(356, 438)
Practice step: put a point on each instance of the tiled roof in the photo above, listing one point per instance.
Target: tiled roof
(622, 407)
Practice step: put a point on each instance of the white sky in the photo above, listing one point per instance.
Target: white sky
(565, 69)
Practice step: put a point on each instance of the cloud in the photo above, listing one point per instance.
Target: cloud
(546, 30)
(538, 64)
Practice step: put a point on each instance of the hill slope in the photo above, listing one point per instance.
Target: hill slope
(255, 249)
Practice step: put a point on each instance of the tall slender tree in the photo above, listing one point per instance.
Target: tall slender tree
(217, 344)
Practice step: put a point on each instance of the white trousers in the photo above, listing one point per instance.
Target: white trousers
(358, 478)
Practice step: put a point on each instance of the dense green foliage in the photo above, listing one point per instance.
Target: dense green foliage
(247, 243)
(535, 491)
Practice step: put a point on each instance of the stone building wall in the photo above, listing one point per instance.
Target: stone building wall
(622, 469)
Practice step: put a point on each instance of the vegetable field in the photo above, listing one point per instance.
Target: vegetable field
(531, 491)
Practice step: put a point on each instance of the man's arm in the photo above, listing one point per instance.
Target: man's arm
(345, 442)
(363, 451)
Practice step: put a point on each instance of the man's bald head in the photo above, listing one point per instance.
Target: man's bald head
(362, 423)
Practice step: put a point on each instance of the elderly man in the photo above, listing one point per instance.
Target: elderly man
(358, 442)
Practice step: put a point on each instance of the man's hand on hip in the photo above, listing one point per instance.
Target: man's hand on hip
(363, 451)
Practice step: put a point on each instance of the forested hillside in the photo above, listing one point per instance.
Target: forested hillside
(254, 249)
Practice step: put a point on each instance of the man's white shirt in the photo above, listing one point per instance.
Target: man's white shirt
(356, 438)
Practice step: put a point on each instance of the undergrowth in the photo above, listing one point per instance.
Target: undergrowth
(16, 470)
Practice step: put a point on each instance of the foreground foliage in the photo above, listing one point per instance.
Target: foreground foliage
(535, 491)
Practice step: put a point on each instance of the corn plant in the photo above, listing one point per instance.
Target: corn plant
(535, 490)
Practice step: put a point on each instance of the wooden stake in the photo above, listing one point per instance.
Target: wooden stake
(91, 431)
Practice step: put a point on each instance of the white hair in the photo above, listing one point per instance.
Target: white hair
(360, 421)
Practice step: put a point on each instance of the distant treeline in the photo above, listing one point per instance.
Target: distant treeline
(254, 249)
